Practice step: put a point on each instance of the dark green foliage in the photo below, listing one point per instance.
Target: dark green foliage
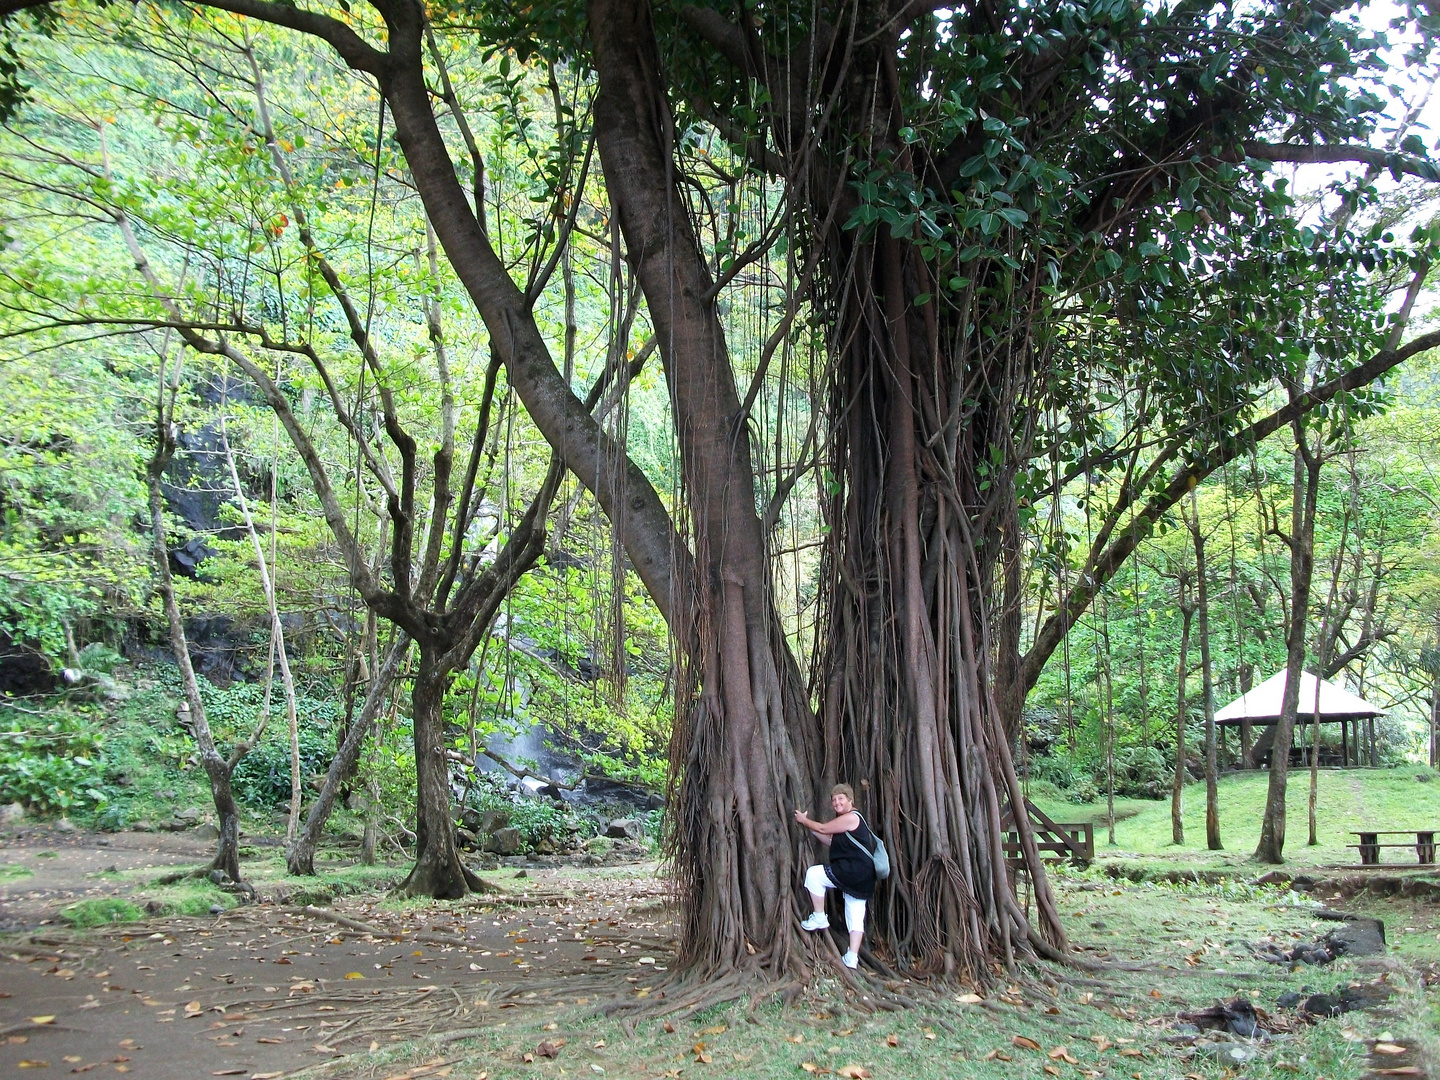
(51, 764)
(262, 778)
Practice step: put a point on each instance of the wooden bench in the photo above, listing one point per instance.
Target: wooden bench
(1370, 844)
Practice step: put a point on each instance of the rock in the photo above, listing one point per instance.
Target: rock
(492, 821)
(626, 829)
(143, 826)
(505, 841)
(522, 873)
(546, 847)
(1322, 1005)
(217, 909)
(1416, 888)
(207, 832)
(1274, 877)
(65, 825)
(466, 839)
(1231, 1054)
(1424, 777)
(102, 842)
(470, 819)
(12, 813)
(1360, 937)
(190, 813)
(218, 877)
(154, 907)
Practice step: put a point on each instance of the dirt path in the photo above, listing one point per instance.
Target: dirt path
(264, 989)
(42, 868)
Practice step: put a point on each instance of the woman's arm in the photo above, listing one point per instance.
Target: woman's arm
(827, 829)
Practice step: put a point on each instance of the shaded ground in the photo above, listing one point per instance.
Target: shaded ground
(269, 988)
(476, 988)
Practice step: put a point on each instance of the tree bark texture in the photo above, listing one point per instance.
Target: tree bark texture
(745, 745)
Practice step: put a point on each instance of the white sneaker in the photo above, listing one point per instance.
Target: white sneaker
(818, 920)
(851, 960)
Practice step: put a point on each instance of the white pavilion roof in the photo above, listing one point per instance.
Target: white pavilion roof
(1262, 704)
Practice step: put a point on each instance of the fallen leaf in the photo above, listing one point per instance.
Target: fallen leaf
(353, 975)
(529, 1059)
(1024, 1043)
(811, 1067)
(73, 1058)
(231, 1072)
(1400, 1070)
(374, 1046)
(853, 1072)
(26, 1063)
(669, 1028)
(271, 1076)
(1052, 1070)
(1388, 1048)
(718, 1029)
(269, 1041)
(1101, 1043)
(969, 999)
(42, 1019)
(1062, 1053)
(593, 1068)
(550, 1048)
(800, 1038)
(892, 1040)
(1156, 994)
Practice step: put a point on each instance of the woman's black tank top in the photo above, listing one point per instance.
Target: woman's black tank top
(850, 863)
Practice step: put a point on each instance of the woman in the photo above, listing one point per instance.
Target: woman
(851, 869)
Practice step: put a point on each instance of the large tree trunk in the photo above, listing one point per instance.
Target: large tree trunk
(1305, 491)
(300, 859)
(745, 741)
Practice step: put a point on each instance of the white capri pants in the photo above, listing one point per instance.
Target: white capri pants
(817, 881)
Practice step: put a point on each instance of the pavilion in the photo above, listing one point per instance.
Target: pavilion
(1335, 705)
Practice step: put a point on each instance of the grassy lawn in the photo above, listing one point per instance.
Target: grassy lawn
(1348, 799)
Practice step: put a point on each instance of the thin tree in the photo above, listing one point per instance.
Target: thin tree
(1300, 540)
(1207, 678)
(1182, 707)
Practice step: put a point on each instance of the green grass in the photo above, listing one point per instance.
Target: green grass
(101, 912)
(15, 872)
(1348, 800)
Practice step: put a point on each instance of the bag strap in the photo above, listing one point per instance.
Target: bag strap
(856, 841)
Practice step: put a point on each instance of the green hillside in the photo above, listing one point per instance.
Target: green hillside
(1349, 799)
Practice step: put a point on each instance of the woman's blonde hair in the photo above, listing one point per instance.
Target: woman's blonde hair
(843, 789)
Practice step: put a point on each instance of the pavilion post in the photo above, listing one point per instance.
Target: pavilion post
(1344, 744)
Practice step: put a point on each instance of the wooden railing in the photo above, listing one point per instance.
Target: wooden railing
(1070, 841)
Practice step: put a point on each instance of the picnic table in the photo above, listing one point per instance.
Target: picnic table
(1370, 844)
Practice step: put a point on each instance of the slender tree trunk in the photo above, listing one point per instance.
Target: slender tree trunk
(1301, 542)
(277, 639)
(438, 870)
(1177, 819)
(1314, 765)
(300, 858)
(227, 854)
(1207, 681)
